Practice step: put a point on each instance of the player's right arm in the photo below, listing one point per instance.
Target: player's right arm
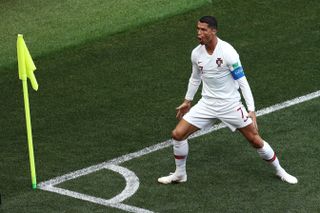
(183, 109)
(194, 82)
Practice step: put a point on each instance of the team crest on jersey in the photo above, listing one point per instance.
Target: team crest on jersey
(219, 61)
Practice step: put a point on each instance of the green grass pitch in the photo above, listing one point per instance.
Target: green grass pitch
(108, 88)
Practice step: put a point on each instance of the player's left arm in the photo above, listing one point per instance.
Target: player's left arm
(236, 69)
(238, 75)
(237, 72)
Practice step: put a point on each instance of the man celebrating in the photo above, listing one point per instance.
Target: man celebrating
(216, 64)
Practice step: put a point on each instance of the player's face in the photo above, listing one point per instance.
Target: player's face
(205, 33)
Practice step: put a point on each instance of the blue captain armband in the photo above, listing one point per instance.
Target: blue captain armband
(237, 73)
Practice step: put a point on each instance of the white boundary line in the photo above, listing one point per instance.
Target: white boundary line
(132, 181)
(132, 185)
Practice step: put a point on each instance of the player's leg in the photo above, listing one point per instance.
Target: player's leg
(197, 118)
(237, 118)
(266, 152)
(180, 144)
(180, 151)
(263, 148)
(183, 130)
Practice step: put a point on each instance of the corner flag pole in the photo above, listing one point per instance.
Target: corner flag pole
(29, 134)
(26, 68)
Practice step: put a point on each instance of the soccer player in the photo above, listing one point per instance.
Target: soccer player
(216, 64)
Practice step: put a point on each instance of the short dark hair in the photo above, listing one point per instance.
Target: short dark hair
(210, 20)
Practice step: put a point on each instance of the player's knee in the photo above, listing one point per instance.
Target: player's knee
(177, 135)
(256, 141)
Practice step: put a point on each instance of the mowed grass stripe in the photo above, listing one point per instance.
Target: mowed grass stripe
(117, 95)
(54, 25)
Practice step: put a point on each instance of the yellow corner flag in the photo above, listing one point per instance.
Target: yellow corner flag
(25, 63)
(26, 68)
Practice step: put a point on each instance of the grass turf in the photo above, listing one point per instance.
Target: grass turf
(226, 175)
(115, 95)
(54, 25)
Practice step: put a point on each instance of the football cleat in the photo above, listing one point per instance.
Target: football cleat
(173, 178)
(284, 176)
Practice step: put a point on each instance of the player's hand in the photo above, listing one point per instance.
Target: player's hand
(253, 116)
(183, 109)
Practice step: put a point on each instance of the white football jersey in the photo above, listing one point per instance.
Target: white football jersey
(215, 72)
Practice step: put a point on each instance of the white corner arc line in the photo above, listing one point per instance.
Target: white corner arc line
(132, 183)
(49, 185)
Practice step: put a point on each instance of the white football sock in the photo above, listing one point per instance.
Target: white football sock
(180, 151)
(267, 154)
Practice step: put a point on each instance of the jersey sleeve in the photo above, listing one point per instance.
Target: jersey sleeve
(233, 62)
(246, 92)
(194, 80)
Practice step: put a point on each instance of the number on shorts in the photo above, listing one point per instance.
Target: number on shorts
(242, 115)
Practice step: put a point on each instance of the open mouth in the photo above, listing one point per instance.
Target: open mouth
(200, 40)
